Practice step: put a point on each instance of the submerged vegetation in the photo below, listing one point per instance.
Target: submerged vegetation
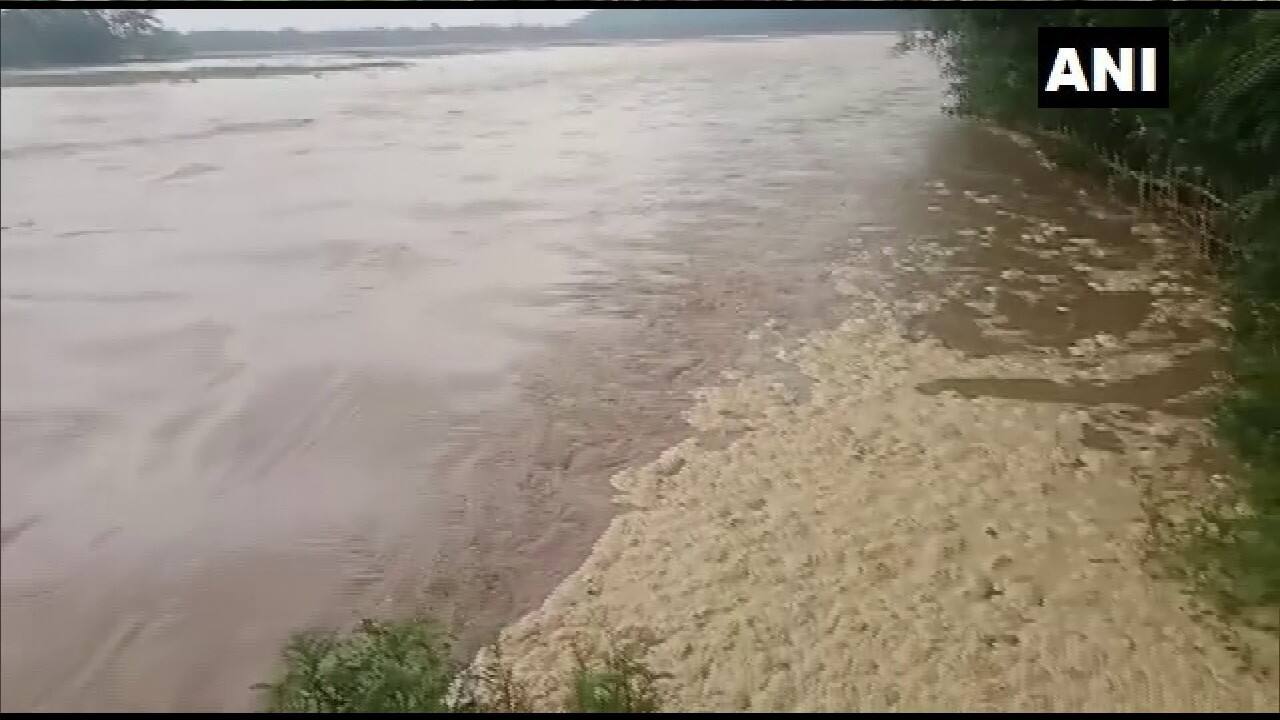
(1221, 135)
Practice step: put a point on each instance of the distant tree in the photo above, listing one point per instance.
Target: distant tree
(125, 24)
(32, 37)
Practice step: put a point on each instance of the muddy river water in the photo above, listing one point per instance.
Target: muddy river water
(283, 352)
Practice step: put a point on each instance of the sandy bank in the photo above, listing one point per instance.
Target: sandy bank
(926, 530)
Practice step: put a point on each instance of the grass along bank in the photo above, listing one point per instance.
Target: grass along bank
(407, 666)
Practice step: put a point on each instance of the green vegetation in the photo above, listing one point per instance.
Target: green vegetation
(1222, 134)
(60, 36)
(378, 668)
(617, 683)
(407, 667)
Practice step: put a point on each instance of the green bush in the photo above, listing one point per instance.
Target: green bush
(380, 667)
(406, 667)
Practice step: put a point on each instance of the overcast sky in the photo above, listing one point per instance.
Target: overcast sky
(328, 19)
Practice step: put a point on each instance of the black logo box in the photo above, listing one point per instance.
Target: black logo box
(1084, 40)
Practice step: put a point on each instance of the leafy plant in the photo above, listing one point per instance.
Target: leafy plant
(617, 683)
(405, 667)
(380, 667)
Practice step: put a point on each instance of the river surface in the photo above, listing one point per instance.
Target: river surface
(283, 352)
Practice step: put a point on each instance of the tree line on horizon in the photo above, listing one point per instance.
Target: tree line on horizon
(32, 37)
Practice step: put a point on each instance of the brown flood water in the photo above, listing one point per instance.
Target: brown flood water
(284, 352)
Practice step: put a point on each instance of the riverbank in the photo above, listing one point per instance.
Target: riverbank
(957, 513)
(1210, 159)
